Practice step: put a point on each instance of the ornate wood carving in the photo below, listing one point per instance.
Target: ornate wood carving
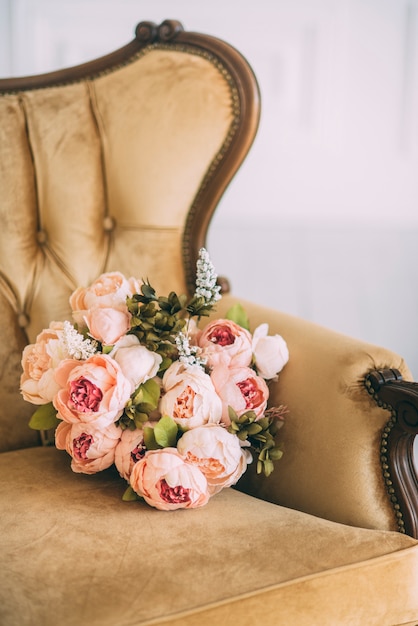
(401, 399)
(149, 32)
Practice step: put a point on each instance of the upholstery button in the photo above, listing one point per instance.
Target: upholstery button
(41, 236)
(23, 320)
(109, 223)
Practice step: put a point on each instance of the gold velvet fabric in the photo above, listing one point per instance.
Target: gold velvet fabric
(93, 178)
(99, 175)
(332, 433)
(75, 553)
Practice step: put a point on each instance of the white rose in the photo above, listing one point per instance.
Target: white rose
(137, 363)
(270, 352)
(217, 453)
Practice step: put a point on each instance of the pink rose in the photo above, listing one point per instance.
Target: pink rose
(136, 362)
(217, 453)
(109, 291)
(223, 341)
(167, 482)
(270, 352)
(94, 390)
(242, 389)
(130, 450)
(107, 325)
(92, 449)
(189, 396)
(39, 361)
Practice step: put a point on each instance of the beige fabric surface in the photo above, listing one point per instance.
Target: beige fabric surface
(72, 552)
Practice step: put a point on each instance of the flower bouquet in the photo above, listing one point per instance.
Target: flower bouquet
(133, 381)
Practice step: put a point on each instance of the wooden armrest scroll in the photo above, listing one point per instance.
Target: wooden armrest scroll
(400, 397)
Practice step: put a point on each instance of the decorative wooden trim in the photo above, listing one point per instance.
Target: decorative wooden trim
(400, 398)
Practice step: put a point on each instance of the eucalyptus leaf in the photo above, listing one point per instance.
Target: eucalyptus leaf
(44, 418)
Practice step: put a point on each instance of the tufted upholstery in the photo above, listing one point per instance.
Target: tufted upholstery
(101, 174)
(119, 165)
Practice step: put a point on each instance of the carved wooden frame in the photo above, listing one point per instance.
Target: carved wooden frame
(245, 102)
(397, 456)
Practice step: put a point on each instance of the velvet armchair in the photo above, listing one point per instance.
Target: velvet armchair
(119, 164)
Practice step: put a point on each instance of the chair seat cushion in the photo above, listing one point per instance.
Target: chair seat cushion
(72, 552)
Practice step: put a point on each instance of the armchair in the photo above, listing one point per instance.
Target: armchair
(119, 164)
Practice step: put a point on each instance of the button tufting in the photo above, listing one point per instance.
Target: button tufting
(109, 223)
(23, 320)
(42, 237)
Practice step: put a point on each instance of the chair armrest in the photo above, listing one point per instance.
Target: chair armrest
(332, 465)
(400, 397)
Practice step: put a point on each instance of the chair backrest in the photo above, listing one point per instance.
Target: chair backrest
(116, 164)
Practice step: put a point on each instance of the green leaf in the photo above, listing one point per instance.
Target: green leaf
(44, 418)
(148, 393)
(275, 454)
(130, 495)
(238, 315)
(148, 291)
(254, 428)
(149, 439)
(268, 467)
(140, 419)
(165, 432)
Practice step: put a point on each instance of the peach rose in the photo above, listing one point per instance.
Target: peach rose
(270, 352)
(167, 482)
(240, 388)
(130, 450)
(94, 390)
(92, 449)
(137, 362)
(107, 325)
(189, 396)
(217, 453)
(223, 341)
(109, 290)
(39, 361)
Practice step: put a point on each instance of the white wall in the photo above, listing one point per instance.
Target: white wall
(322, 219)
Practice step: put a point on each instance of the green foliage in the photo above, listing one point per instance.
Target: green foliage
(238, 315)
(44, 418)
(140, 405)
(260, 434)
(198, 307)
(165, 432)
(149, 439)
(130, 495)
(157, 320)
